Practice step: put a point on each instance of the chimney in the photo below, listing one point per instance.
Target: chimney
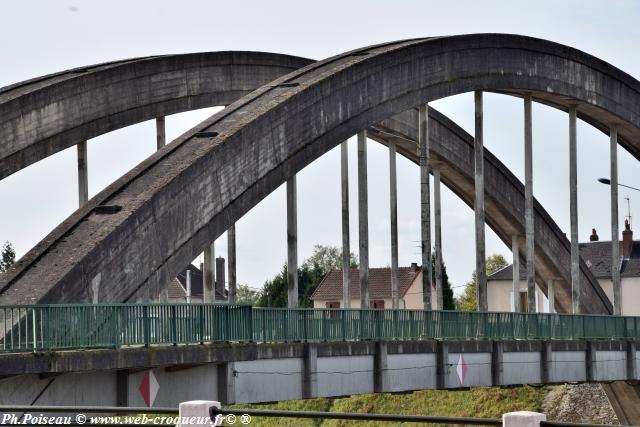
(414, 266)
(627, 240)
(594, 236)
(220, 276)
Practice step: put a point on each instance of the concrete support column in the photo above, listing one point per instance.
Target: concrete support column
(122, 388)
(292, 243)
(497, 369)
(590, 362)
(615, 244)
(546, 361)
(528, 204)
(573, 212)
(632, 372)
(363, 215)
(551, 295)
(83, 178)
(380, 367)
(393, 208)
(442, 364)
(346, 249)
(231, 254)
(209, 294)
(226, 383)
(425, 203)
(310, 371)
(188, 296)
(160, 132)
(478, 206)
(438, 237)
(515, 251)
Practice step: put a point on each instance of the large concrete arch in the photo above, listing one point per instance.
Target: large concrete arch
(42, 116)
(341, 95)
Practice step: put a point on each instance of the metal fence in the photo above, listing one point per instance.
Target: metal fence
(65, 326)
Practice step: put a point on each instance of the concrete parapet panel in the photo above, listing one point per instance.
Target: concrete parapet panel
(521, 368)
(343, 376)
(468, 370)
(411, 372)
(568, 366)
(268, 380)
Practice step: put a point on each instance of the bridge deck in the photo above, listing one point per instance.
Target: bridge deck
(66, 326)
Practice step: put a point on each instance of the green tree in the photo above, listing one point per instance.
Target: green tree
(448, 301)
(7, 257)
(247, 295)
(468, 301)
(310, 274)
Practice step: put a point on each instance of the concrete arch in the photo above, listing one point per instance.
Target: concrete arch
(342, 95)
(42, 116)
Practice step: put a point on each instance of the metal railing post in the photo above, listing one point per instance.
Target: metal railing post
(145, 323)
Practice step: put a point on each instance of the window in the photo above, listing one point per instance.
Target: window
(376, 303)
(332, 304)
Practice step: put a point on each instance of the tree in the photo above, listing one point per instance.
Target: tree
(7, 257)
(310, 274)
(328, 258)
(247, 295)
(468, 301)
(448, 302)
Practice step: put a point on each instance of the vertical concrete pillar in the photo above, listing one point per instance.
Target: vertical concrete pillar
(292, 243)
(188, 297)
(442, 364)
(590, 362)
(615, 244)
(393, 209)
(220, 276)
(209, 274)
(546, 361)
(231, 254)
(478, 206)
(363, 215)
(573, 212)
(438, 237)
(83, 178)
(425, 203)
(310, 371)
(528, 203)
(122, 388)
(497, 369)
(160, 133)
(632, 373)
(346, 250)
(551, 295)
(380, 367)
(226, 383)
(515, 252)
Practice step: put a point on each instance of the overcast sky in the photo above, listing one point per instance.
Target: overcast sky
(41, 37)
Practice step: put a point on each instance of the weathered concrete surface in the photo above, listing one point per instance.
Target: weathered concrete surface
(43, 116)
(239, 372)
(405, 74)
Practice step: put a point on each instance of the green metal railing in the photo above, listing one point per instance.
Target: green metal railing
(67, 326)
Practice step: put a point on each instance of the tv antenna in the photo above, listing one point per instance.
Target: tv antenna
(629, 211)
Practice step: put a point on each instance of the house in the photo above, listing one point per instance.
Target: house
(176, 290)
(328, 294)
(597, 255)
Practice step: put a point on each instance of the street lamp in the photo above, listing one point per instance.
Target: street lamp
(608, 182)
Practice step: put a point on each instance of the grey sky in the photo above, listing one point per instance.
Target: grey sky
(40, 37)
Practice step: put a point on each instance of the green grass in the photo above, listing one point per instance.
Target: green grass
(488, 402)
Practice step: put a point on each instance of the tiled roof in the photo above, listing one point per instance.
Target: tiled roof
(379, 283)
(178, 287)
(597, 255)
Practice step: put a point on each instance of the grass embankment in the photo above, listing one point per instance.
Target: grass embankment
(489, 402)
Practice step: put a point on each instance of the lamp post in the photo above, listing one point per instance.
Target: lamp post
(608, 182)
